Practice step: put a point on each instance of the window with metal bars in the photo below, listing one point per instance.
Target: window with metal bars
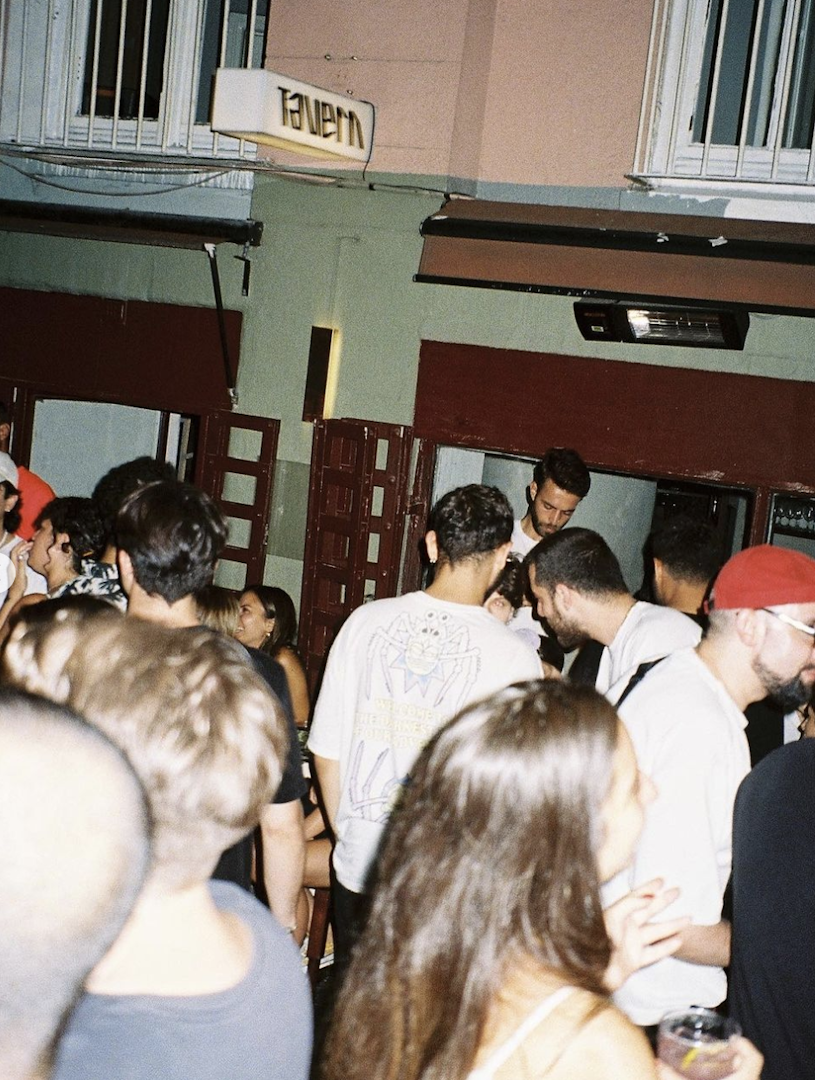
(123, 75)
(730, 92)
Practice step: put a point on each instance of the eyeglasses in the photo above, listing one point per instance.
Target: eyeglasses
(789, 621)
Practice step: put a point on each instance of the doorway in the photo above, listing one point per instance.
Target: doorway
(74, 443)
(621, 507)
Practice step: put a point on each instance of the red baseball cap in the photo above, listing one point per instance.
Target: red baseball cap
(764, 576)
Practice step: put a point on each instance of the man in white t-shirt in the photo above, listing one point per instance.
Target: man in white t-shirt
(580, 591)
(398, 670)
(686, 720)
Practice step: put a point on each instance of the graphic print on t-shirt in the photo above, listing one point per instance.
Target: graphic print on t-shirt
(433, 653)
(419, 669)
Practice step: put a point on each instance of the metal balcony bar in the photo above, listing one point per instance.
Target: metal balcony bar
(785, 91)
(148, 15)
(656, 49)
(714, 95)
(683, 64)
(748, 97)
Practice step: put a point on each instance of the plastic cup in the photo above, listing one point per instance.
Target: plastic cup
(698, 1043)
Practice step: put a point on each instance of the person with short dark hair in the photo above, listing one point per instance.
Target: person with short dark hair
(203, 982)
(565, 468)
(581, 592)
(170, 537)
(685, 559)
(65, 548)
(469, 522)
(113, 488)
(99, 574)
(560, 480)
(76, 850)
(399, 669)
(79, 519)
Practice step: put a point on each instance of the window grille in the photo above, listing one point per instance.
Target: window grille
(730, 92)
(128, 76)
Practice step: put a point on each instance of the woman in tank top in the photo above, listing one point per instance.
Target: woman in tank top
(487, 953)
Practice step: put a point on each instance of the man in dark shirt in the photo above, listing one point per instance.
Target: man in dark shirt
(169, 538)
(774, 911)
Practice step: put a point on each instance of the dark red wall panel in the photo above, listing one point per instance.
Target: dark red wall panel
(626, 417)
(161, 356)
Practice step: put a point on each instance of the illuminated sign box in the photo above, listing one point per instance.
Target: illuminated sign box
(264, 107)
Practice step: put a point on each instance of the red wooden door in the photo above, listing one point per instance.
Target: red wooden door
(418, 508)
(356, 519)
(236, 467)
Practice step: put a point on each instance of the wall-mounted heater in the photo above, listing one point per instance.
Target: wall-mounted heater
(661, 324)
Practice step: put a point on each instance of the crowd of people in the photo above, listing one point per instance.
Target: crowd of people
(528, 869)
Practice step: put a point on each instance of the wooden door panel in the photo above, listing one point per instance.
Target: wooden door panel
(355, 526)
(236, 467)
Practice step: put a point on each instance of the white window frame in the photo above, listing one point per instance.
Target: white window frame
(40, 102)
(665, 150)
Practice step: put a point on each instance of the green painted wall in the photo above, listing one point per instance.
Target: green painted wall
(345, 258)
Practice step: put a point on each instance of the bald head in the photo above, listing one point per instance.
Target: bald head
(75, 852)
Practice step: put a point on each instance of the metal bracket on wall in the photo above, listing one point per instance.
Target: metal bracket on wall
(247, 269)
(219, 305)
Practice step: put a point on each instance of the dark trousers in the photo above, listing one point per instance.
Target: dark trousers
(349, 911)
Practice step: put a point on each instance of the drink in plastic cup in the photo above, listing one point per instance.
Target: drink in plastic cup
(698, 1043)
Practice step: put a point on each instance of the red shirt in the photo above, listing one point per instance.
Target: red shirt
(34, 495)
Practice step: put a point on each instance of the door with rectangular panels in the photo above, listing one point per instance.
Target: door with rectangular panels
(235, 465)
(356, 518)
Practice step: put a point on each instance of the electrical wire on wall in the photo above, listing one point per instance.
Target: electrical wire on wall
(122, 166)
(137, 192)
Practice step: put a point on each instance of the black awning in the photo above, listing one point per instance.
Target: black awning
(126, 226)
(758, 265)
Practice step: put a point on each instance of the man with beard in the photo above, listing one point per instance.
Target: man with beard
(560, 480)
(686, 720)
(580, 591)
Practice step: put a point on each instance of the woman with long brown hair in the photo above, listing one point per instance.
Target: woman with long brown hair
(487, 953)
(267, 621)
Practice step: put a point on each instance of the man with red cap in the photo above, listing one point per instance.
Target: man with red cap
(686, 720)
